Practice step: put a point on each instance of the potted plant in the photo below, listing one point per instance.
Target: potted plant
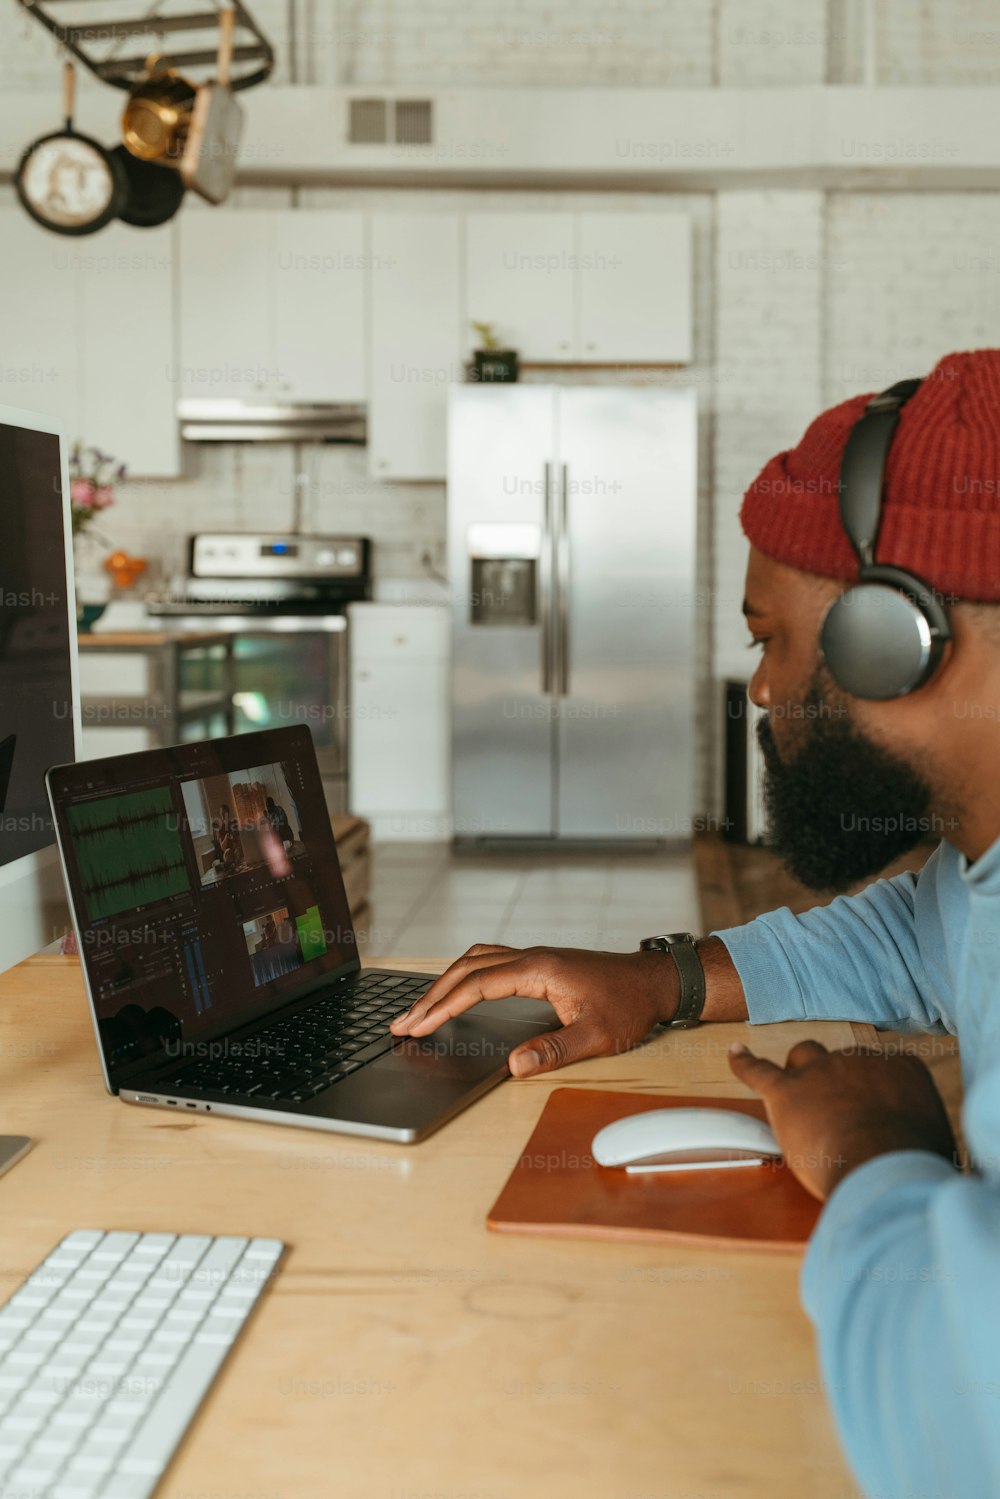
(490, 361)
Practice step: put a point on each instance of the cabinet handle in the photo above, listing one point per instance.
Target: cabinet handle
(591, 346)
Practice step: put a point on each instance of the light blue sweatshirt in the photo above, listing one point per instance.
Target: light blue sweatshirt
(902, 1277)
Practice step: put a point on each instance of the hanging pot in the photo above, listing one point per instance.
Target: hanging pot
(153, 193)
(158, 114)
(68, 182)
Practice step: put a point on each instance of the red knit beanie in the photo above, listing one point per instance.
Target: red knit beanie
(941, 497)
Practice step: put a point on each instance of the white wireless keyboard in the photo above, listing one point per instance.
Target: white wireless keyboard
(107, 1351)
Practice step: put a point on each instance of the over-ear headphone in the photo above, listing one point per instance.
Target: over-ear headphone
(884, 636)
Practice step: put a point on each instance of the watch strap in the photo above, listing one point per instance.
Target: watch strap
(682, 948)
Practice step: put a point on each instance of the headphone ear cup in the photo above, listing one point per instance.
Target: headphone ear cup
(877, 642)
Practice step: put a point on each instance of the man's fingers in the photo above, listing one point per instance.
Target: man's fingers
(757, 1072)
(554, 1049)
(502, 978)
(804, 1052)
(479, 956)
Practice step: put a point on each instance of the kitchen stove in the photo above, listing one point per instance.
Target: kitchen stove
(285, 598)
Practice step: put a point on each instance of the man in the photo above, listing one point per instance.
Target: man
(277, 818)
(902, 1277)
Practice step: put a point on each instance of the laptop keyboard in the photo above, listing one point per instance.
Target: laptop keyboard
(306, 1053)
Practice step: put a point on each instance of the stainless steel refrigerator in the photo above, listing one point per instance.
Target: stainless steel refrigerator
(571, 533)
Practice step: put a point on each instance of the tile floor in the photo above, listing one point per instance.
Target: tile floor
(429, 901)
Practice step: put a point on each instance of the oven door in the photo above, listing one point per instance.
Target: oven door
(290, 669)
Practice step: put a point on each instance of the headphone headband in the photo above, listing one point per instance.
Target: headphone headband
(862, 467)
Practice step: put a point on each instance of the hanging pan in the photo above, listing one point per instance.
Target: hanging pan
(69, 182)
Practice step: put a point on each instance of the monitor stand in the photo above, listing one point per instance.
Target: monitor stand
(12, 1148)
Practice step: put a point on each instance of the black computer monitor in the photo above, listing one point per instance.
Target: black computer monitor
(39, 694)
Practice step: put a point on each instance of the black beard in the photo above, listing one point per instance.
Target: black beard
(840, 807)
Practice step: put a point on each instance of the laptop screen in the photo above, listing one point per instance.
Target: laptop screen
(206, 887)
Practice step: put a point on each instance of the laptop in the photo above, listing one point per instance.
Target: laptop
(221, 965)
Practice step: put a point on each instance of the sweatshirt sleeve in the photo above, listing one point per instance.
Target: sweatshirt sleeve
(900, 1281)
(856, 959)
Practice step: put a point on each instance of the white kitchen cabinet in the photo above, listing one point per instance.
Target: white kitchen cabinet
(634, 288)
(39, 321)
(399, 741)
(225, 320)
(87, 337)
(519, 275)
(272, 305)
(319, 293)
(416, 341)
(128, 396)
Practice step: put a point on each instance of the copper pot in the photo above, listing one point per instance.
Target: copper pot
(157, 116)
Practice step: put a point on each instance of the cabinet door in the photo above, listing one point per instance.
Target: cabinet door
(416, 346)
(519, 275)
(39, 321)
(399, 696)
(317, 273)
(225, 317)
(635, 288)
(398, 702)
(129, 389)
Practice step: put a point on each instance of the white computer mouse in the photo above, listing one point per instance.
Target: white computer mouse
(684, 1140)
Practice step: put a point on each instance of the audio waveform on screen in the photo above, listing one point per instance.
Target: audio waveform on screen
(128, 850)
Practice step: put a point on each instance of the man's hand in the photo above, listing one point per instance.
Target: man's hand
(606, 1001)
(832, 1111)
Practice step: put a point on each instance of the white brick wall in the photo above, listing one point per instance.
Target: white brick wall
(441, 42)
(769, 281)
(938, 41)
(771, 42)
(912, 276)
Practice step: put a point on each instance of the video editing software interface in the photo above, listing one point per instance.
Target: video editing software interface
(207, 884)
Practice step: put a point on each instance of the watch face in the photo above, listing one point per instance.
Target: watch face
(66, 182)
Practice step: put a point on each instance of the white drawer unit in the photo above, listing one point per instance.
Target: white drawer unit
(399, 719)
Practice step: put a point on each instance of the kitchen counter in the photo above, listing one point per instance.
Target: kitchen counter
(127, 640)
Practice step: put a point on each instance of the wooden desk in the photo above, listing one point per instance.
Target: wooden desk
(404, 1351)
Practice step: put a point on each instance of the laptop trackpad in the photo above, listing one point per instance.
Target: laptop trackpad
(469, 1046)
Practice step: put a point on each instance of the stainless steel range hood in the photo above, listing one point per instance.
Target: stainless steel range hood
(217, 420)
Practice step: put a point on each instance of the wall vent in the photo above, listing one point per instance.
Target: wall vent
(413, 122)
(369, 122)
(383, 122)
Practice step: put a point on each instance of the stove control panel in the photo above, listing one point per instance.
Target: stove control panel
(265, 554)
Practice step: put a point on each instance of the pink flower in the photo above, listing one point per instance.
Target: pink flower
(82, 493)
(103, 497)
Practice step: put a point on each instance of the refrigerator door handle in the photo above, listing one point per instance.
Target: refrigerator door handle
(545, 572)
(562, 583)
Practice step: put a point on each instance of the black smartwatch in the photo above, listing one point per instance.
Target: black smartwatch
(681, 947)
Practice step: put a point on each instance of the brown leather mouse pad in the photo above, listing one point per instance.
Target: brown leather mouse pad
(558, 1188)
